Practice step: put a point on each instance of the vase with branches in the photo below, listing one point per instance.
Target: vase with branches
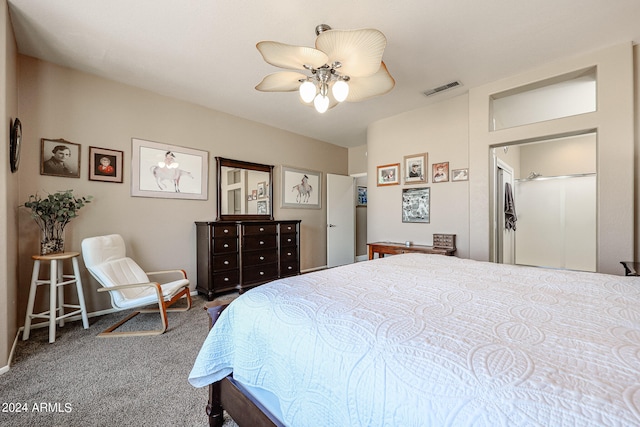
(52, 214)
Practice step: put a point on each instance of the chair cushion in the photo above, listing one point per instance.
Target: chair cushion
(149, 296)
(123, 271)
(96, 250)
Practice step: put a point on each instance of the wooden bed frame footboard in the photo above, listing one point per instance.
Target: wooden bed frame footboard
(231, 396)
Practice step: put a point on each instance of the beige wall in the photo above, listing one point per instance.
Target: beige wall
(440, 130)
(457, 131)
(614, 123)
(57, 102)
(8, 191)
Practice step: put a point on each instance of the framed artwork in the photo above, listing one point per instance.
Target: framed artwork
(59, 158)
(415, 168)
(262, 190)
(440, 172)
(263, 207)
(388, 174)
(168, 171)
(362, 196)
(460, 175)
(105, 165)
(415, 204)
(301, 188)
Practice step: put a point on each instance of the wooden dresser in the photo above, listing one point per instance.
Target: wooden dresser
(239, 255)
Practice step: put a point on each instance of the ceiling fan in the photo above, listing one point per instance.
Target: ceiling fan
(345, 65)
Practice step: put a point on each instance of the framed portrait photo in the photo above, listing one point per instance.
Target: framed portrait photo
(105, 165)
(440, 172)
(415, 204)
(415, 168)
(460, 175)
(388, 174)
(59, 158)
(168, 171)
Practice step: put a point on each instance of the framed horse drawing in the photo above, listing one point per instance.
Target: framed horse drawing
(301, 188)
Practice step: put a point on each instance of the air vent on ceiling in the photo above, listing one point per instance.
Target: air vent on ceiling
(442, 88)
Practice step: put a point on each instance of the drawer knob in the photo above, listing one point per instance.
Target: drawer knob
(288, 240)
(226, 279)
(261, 258)
(290, 268)
(226, 263)
(289, 254)
(261, 242)
(262, 273)
(226, 245)
(226, 230)
(261, 228)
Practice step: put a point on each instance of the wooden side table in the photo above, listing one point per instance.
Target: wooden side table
(56, 282)
(391, 248)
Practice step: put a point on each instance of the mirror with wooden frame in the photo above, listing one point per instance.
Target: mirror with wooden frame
(245, 190)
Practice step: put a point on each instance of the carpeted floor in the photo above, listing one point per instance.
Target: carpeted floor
(83, 380)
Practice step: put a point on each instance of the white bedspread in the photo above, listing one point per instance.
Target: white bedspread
(430, 340)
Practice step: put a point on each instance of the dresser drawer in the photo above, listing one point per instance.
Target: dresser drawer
(259, 257)
(289, 254)
(222, 245)
(289, 268)
(225, 261)
(227, 230)
(288, 228)
(261, 273)
(251, 243)
(226, 279)
(259, 229)
(288, 240)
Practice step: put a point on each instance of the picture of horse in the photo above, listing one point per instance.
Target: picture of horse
(300, 188)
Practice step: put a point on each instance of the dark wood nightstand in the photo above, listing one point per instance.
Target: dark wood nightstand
(631, 268)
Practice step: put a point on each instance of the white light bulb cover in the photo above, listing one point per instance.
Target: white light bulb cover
(307, 91)
(340, 90)
(321, 103)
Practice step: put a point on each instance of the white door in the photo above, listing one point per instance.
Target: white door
(341, 224)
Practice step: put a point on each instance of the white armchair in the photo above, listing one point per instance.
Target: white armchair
(129, 286)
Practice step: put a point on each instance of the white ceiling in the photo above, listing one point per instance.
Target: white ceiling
(203, 51)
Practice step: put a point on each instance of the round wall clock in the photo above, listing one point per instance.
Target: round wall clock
(15, 140)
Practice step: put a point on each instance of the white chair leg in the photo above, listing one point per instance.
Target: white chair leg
(32, 298)
(83, 308)
(60, 289)
(53, 277)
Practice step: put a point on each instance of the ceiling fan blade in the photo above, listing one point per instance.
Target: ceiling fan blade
(361, 88)
(359, 51)
(283, 81)
(291, 57)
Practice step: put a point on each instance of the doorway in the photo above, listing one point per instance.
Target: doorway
(554, 188)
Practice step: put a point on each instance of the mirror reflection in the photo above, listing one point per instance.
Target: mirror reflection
(244, 191)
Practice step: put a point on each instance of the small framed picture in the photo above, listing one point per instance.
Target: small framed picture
(362, 196)
(262, 190)
(389, 174)
(263, 207)
(105, 165)
(460, 175)
(59, 158)
(415, 204)
(415, 168)
(440, 172)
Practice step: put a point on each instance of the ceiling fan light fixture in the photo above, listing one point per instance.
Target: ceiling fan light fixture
(307, 91)
(321, 102)
(340, 90)
(343, 66)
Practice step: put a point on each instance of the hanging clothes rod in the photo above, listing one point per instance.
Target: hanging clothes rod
(542, 178)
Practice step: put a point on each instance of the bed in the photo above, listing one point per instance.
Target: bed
(428, 340)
